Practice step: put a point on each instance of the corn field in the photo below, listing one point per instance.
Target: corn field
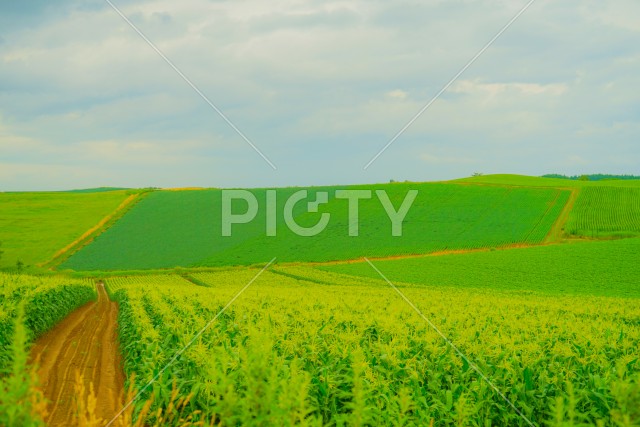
(46, 301)
(303, 347)
(29, 306)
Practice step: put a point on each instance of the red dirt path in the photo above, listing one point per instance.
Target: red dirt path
(85, 341)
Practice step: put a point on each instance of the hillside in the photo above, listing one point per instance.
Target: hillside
(606, 212)
(534, 181)
(166, 229)
(607, 268)
(593, 177)
(34, 226)
(545, 316)
(605, 208)
(182, 228)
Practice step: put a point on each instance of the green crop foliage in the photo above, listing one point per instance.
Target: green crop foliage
(20, 402)
(605, 208)
(46, 301)
(532, 181)
(607, 268)
(306, 347)
(169, 229)
(34, 226)
(606, 211)
(29, 306)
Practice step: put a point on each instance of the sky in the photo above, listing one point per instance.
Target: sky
(318, 86)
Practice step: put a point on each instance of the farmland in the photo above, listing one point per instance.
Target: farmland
(34, 226)
(603, 209)
(608, 268)
(45, 302)
(156, 234)
(262, 214)
(593, 217)
(29, 306)
(532, 181)
(513, 300)
(295, 351)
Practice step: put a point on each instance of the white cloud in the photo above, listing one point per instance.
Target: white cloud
(12, 143)
(397, 94)
(621, 13)
(136, 152)
(496, 89)
(310, 79)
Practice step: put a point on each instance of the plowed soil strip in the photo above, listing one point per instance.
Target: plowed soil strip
(85, 341)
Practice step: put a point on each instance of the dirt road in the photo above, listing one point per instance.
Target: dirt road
(86, 340)
(557, 230)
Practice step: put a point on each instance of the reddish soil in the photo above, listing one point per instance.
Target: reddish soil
(85, 341)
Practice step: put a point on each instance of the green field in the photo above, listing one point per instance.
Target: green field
(605, 211)
(303, 352)
(96, 190)
(533, 181)
(182, 228)
(34, 226)
(609, 268)
(605, 208)
(320, 338)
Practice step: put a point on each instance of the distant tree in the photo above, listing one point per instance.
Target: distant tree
(602, 177)
(591, 177)
(392, 181)
(556, 175)
(477, 174)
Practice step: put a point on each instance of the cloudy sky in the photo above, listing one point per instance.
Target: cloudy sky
(319, 86)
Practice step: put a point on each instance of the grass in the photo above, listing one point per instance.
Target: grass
(169, 229)
(34, 226)
(607, 268)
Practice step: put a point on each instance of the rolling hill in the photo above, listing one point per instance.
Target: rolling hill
(35, 226)
(183, 228)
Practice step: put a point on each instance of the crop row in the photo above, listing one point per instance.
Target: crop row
(28, 307)
(442, 217)
(605, 211)
(46, 301)
(299, 347)
(603, 268)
